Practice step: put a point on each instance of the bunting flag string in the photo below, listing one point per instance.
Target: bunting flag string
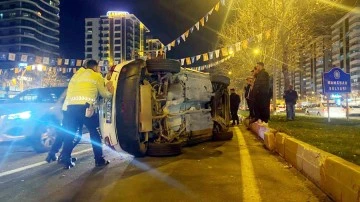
(197, 25)
(213, 64)
(228, 50)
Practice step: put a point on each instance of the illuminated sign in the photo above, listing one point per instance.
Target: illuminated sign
(336, 81)
(113, 14)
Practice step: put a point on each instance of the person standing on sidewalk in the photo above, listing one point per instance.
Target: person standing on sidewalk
(261, 94)
(81, 95)
(290, 97)
(234, 106)
(249, 101)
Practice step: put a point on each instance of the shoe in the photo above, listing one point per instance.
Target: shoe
(102, 162)
(68, 165)
(61, 160)
(51, 157)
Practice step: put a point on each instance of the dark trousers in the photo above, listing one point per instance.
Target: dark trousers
(262, 108)
(234, 116)
(250, 105)
(75, 117)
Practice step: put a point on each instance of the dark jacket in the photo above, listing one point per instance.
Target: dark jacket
(247, 90)
(234, 101)
(290, 96)
(262, 84)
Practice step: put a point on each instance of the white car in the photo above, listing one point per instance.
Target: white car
(158, 106)
(320, 109)
(354, 110)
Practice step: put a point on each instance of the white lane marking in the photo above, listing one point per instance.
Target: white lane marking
(35, 165)
(249, 188)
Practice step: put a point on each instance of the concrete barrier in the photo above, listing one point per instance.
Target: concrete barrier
(338, 178)
(280, 143)
(341, 179)
(269, 140)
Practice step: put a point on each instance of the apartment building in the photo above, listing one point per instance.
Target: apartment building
(116, 37)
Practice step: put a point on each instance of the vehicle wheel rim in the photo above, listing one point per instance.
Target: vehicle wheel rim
(48, 137)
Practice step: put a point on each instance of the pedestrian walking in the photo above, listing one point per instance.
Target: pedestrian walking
(234, 106)
(290, 97)
(261, 94)
(81, 95)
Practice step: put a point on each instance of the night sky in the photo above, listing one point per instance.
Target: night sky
(166, 19)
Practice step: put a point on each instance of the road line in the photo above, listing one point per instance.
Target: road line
(249, 188)
(35, 165)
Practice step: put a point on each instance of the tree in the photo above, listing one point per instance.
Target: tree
(278, 30)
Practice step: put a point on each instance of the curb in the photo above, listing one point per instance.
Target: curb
(336, 177)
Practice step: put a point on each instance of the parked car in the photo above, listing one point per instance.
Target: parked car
(320, 109)
(158, 107)
(34, 115)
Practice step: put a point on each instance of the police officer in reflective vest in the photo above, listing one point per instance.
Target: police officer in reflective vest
(83, 90)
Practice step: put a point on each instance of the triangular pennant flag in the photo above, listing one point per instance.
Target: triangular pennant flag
(217, 53)
(202, 22)
(231, 50)
(52, 61)
(211, 55)
(206, 18)
(193, 59)
(183, 37)
(210, 12)
(165, 48)
(205, 57)
(24, 58)
(259, 37)
(43, 68)
(197, 25)
(188, 61)
(224, 52)
(237, 46)
(59, 61)
(187, 34)
(78, 63)
(31, 59)
(178, 40)
(16, 70)
(156, 53)
(84, 62)
(66, 62)
(12, 56)
(38, 60)
(46, 60)
(28, 68)
(33, 67)
(101, 63)
(217, 6)
(169, 46)
(182, 61)
(172, 43)
(267, 34)
(74, 70)
(191, 29)
(223, 2)
(198, 57)
(72, 62)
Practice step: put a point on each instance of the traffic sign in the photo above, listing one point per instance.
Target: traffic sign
(336, 81)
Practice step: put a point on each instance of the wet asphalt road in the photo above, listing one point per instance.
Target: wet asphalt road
(236, 170)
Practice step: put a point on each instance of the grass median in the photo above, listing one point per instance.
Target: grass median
(339, 137)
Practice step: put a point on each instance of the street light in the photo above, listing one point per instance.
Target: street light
(256, 51)
(229, 72)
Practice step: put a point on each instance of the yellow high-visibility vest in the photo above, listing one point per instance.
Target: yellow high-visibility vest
(84, 87)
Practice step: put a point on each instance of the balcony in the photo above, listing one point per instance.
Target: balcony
(354, 33)
(335, 38)
(355, 39)
(354, 69)
(355, 62)
(355, 47)
(354, 18)
(355, 25)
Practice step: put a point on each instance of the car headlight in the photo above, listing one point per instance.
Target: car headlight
(22, 115)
